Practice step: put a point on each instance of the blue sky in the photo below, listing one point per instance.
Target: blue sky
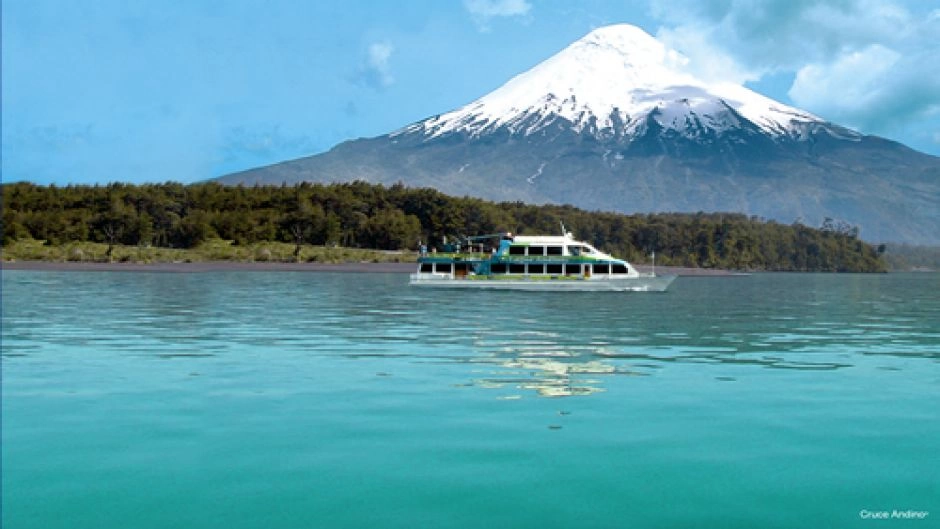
(157, 90)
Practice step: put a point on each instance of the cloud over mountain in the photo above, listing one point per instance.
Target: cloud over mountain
(879, 51)
(485, 10)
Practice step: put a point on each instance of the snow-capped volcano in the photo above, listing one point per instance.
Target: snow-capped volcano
(616, 122)
(609, 83)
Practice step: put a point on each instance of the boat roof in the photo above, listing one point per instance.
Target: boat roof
(546, 239)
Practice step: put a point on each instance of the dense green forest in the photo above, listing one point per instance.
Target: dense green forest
(373, 216)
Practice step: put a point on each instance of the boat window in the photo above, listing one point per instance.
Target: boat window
(517, 250)
(602, 269)
(536, 269)
(443, 267)
(427, 268)
(536, 250)
(517, 269)
(574, 250)
(573, 269)
(618, 268)
(554, 250)
(554, 268)
(498, 268)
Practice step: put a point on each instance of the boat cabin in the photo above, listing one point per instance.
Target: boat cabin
(527, 256)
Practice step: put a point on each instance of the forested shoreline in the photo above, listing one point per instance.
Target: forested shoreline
(363, 215)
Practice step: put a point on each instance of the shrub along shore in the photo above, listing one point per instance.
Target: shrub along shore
(356, 222)
(214, 250)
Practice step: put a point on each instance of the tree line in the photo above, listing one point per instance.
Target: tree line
(364, 215)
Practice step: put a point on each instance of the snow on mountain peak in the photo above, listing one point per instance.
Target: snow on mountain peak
(636, 48)
(609, 82)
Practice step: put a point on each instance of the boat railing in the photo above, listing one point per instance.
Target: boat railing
(550, 258)
(462, 256)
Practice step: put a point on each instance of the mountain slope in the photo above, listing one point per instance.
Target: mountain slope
(614, 123)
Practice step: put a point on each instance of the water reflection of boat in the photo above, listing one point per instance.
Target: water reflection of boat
(554, 378)
(549, 372)
(504, 261)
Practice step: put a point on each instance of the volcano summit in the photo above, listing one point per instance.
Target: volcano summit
(615, 122)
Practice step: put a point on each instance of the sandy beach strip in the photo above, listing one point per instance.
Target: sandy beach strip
(237, 266)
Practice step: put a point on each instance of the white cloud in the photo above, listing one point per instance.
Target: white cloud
(880, 86)
(497, 8)
(484, 10)
(860, 78)
(376, 71)
(379, 55)
(706, 60)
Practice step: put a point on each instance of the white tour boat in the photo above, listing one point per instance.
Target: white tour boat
(555, 263)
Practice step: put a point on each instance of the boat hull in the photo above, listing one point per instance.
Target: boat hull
(645, 283)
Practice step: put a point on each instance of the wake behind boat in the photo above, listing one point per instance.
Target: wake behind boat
(543, 262)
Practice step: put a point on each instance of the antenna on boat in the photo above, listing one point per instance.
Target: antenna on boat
(654, 262)
(563, 232)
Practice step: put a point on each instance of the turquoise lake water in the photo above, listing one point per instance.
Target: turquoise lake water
(282, 400)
